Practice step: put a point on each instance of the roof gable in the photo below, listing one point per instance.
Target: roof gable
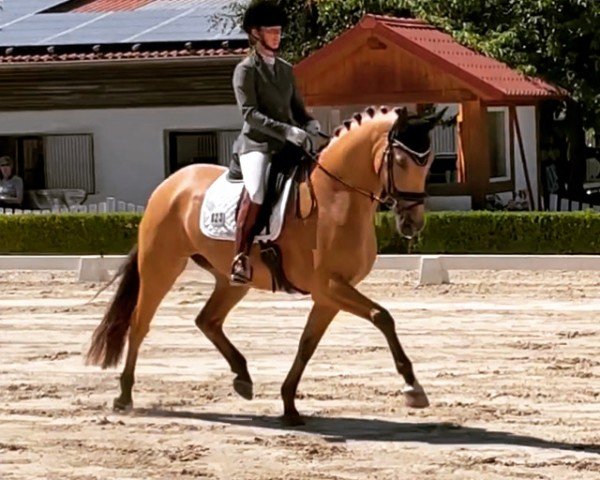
(488, 78)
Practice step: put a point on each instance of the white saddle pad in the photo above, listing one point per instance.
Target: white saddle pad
(217, 215)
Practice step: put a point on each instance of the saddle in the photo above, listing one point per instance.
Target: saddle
(221, 203)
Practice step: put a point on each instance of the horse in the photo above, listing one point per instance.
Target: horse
(379, 156)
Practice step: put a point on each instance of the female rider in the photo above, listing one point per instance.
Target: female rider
(274, 113)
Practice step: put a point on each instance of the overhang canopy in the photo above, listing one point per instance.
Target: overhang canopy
(385, 59)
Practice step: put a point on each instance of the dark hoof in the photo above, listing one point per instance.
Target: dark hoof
(293, 420)
(122, 406)
(243, 388)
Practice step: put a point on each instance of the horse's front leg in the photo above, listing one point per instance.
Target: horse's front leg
(318, 320)
(347, 298)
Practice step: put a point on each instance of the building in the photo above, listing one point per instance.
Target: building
(389, 61)
(113, 95)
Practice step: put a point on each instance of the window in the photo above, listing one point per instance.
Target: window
(187, 148)
(498, 143)
(69, 162)
(444, 167)
(52, 161)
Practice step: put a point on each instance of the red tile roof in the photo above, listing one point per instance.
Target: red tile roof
(112, 5)
(491, 78)
(122, 55)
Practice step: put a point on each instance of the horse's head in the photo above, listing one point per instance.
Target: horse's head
(408, 157)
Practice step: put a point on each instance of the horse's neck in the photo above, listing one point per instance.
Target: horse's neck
(354, 159)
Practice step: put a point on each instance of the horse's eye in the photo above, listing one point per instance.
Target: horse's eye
(401, 160)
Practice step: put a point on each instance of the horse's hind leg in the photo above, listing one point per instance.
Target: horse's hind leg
(210, 320)
(158, 273)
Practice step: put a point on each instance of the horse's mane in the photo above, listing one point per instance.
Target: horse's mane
(358, 119)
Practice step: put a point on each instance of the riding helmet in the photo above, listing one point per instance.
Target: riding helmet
(263, 13)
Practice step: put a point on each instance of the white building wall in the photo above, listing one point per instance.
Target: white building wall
(129, 144)
(130, 149)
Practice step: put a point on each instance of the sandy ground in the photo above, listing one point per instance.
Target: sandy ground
(511, 363)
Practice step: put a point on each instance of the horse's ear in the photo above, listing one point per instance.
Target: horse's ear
(435, 118)
(401, 121)
(402, 113)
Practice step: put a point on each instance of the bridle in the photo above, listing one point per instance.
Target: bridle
(392, 197)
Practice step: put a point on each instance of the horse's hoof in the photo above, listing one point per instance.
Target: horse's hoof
(121, 406)
(293, 420)
(415, 396)
(243, 388)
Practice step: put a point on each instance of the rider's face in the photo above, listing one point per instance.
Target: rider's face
(271, 37)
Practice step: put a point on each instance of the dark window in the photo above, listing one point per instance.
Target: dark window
(498, 144)
(187, 148)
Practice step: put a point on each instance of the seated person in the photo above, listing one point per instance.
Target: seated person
(11, 185)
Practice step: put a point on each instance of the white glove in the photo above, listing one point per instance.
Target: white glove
(297, 136)
(313, 127)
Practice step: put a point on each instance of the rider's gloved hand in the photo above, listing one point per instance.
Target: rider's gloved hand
(297, 136)
(313, 127)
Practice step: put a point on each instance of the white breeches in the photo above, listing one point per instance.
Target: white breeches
(255, 168)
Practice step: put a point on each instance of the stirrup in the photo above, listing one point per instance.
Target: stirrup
(241, 270)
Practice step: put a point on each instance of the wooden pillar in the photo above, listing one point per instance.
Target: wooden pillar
(474, 150)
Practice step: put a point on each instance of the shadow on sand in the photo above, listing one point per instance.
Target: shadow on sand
(340, 429)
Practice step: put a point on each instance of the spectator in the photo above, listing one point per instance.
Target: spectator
(11, 185)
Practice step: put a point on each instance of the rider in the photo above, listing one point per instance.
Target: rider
(274, 113)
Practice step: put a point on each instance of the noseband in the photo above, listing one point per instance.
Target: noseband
(392, 196)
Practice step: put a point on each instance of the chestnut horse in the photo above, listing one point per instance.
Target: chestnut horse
(379, 156)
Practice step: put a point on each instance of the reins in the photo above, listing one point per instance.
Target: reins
(392, 194)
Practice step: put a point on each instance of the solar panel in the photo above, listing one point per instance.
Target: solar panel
(16, 10)
(114, 28)
(195, 25)
(39, 27)
(23, 7)
(185, 4)
(167, 21)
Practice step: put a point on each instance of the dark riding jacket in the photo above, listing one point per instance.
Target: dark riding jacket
(270, 104)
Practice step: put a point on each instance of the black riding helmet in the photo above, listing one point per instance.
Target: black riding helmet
(263, 13)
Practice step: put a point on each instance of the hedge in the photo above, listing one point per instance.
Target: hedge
(445, 232)
(498, 233)
(73, 233)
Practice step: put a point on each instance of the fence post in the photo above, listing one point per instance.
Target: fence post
(432, 272)
(92, 269)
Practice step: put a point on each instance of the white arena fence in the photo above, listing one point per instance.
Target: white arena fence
(110, 205)
(113, 205)
(432, 269)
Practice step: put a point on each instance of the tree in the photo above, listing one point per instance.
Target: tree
(558, 40)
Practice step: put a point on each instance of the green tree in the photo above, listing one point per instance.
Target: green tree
(558, 40)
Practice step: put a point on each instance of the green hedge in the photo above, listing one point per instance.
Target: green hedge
(75, 233)
(445, 232)
(498, 233)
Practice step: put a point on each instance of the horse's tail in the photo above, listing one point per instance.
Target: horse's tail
(108, 340)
